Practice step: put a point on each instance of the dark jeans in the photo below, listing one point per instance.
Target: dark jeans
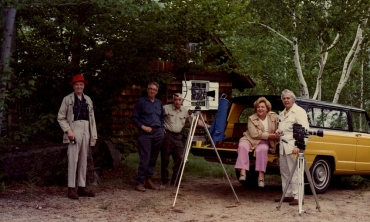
(149, 146)
(172, 145)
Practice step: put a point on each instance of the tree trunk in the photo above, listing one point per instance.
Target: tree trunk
(302, 81)
(8, 47)
(76, 40)
(351, 58)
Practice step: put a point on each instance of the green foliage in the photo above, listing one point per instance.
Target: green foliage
(32, 179)
(356, 182)
(268, 58)
(113, 43)
(25, 128)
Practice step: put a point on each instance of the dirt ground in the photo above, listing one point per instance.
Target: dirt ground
(198, 200)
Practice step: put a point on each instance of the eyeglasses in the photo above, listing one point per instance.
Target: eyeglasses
(153, 89)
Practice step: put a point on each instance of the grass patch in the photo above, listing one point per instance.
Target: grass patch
(2, 187)
(195, 166)
(356, 182)
(31, 182)
(144, 204)
(104, 206)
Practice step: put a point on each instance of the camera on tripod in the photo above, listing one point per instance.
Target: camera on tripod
(300, 133)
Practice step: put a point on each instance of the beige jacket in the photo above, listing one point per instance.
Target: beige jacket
(256, 132)
(296, 114)
(65, 117)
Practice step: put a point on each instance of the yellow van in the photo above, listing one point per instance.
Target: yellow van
(343, 150)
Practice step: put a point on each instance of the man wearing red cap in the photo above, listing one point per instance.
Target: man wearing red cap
(77, 120)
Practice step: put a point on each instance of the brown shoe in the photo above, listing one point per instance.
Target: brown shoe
(286, 199)
(140, 187)
(83, 192)
(72, 194)
(149, 184)
(295, 202)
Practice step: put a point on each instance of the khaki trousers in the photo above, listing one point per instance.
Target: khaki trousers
(286, 165)
(77, 154)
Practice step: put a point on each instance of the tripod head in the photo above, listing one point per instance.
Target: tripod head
(197, 109)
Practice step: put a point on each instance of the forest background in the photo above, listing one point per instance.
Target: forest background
(318, 49)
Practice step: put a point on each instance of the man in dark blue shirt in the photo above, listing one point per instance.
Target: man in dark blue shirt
(148, 118)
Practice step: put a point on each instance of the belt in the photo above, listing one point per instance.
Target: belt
(154, 127)
(170, 132)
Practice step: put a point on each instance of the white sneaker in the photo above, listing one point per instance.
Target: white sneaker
(261, 183)
(242, 177)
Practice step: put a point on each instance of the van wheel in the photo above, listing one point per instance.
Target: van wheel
(321, 174)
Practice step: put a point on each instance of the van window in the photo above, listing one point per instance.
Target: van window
(328, 118)
(359, 122)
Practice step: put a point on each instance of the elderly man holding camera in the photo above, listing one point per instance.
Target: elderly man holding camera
(77, 120)
(290, 115)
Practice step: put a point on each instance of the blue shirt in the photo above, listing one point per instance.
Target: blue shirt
(148, 113)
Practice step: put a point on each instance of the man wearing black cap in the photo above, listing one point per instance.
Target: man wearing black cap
(77, 120)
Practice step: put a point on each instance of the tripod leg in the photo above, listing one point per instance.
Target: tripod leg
(288, 183)
(186, 153)
(301, 169)
(218, 156)
(309, 178)
(189, 140)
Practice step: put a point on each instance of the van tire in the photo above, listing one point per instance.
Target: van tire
(321, 174)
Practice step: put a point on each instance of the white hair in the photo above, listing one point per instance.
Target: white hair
(177, 95)
(286, 91)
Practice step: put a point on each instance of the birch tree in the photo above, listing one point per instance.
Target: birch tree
(323, 30)
(351, 58)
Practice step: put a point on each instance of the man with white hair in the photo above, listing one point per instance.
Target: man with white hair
(290, 115)
(175, 116)
(77, 120)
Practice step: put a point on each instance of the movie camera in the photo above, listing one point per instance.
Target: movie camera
(300, 133)
(201, 94)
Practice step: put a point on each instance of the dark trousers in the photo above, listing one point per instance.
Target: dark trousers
(149, 147)
(172, 145)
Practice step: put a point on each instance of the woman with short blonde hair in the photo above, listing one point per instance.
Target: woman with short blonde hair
(260, 137)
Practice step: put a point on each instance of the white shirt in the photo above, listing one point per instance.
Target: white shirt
(265, 125)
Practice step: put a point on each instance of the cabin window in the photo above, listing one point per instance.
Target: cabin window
(200, 91)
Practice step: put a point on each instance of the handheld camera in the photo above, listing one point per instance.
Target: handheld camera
(300, 133)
